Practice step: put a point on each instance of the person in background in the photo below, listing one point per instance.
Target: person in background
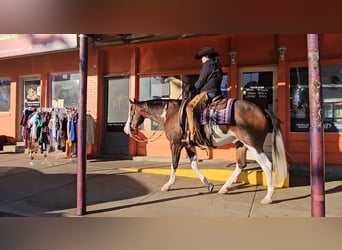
(207, 87)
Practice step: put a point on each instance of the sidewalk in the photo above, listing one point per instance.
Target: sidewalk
(45, 187)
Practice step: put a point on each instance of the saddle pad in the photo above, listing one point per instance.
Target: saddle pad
(219, 116)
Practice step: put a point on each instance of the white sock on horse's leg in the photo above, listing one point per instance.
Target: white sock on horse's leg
(166, 186)
(204, 180)
(266, 166)
(229, 182)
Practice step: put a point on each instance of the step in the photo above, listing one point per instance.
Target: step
(20, 143)
(13, 149)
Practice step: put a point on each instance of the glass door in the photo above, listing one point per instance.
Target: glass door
(258, 85)
(30, 97)
(116, 106)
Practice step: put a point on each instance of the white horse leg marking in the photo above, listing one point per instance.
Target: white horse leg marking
(194, 166)
(171, 181)
(266, 166)
(127, 128)
(229, 182)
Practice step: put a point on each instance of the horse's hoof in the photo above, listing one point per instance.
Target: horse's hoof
(210, 187)
(223, 190)
(165, 188)
(266, 201)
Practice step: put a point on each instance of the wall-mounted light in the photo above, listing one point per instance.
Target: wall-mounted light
(232, 56)
(282, 50)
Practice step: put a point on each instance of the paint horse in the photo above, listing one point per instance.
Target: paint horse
(247, 130)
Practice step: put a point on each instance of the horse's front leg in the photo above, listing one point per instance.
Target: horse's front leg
(241, 163)
(175, 153)
(191, 151)
(167, 186)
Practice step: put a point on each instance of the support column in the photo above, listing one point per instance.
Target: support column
(317, 163)
(81, 128)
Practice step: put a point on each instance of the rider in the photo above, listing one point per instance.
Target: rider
(207, 87)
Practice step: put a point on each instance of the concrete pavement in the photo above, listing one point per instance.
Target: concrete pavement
(46, 187)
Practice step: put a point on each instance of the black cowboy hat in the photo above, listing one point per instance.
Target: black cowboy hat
(207, 51)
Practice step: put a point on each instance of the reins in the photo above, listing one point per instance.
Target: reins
(151, 139)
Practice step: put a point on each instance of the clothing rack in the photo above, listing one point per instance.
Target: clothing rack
(48, 129)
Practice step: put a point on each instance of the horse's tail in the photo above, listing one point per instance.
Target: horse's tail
(278, 150)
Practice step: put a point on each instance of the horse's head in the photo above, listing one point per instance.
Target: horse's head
(135, 117)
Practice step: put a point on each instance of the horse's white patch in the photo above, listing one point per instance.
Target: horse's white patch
(163, 115)
(220, 138)
(127, 125)
(247, 136)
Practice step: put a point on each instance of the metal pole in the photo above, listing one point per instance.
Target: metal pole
(316, 130)
(81, 129)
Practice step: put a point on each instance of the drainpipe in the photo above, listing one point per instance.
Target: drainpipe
(81, 132)
(317, 176)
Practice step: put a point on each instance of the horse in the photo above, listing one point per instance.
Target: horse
(247, 130)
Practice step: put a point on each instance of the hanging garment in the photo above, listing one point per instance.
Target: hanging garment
(73, 132)
(90, 130)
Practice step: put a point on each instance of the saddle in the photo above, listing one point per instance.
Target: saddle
(219, 111)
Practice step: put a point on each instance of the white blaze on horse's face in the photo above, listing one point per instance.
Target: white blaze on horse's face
(127, 125)
(163, 115)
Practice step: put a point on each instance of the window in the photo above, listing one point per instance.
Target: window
(169, 87)
(65, 90)
(299, 96)
(117, 99)
(5, 93)
(257, 87)
(162, 87)
(224, 85)
(331, 95)
(331, 76)
(32, 93)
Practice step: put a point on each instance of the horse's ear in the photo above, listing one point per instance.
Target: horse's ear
(130, 101)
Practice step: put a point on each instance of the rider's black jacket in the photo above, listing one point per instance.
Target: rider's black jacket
(210, 77)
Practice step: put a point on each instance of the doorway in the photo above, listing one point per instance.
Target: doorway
(29, 97)
(259, 85)
(116, 105)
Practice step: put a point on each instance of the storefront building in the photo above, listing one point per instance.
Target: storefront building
(268, 69)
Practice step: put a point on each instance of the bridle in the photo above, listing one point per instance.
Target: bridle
(137, 137)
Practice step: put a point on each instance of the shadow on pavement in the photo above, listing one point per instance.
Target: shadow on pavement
(137, 204)
(59, 191)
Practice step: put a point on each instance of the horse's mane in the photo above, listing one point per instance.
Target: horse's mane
(158, 103)
(154, 106)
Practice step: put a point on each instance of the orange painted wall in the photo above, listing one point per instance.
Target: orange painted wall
(177, 57)
(43, 65)
(29, 66)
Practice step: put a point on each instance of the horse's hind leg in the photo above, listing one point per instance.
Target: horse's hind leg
(241, 163)
(266, 166)
(191, 151)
